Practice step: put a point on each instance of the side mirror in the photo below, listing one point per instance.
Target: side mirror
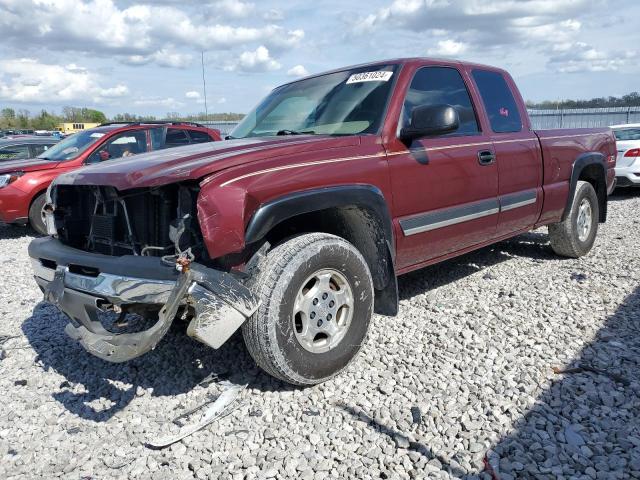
(428, 120)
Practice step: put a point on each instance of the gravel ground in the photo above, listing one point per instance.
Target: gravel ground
(460, 385)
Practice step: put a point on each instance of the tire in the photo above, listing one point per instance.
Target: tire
(574, 237)
(35, 215)
(279, 336)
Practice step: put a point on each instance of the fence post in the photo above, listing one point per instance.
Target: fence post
(561, 117)
(628, 115)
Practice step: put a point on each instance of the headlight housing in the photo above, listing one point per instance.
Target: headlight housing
(7, 178)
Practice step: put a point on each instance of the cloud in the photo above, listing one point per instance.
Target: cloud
(582, 57)
(233, 8)
(168, 102)
(139, 33)
(222, 100)
(192, 95)
(448, 48)
(480, 25)
(258, 60)
(298, 71)
(28, 80)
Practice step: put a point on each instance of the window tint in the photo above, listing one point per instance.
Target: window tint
(14, 152)
(38, 149)
(176, 137)
(441, 86)
(157, 138)
(123, 145)
(199, 137)
(498, 101)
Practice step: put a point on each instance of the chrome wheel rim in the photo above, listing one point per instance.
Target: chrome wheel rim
(585, 217)
(322, 311)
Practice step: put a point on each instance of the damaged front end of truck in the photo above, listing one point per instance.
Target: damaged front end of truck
(139, 252)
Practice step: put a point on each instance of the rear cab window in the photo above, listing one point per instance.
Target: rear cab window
(176, 137)
(441, 86)
(498, 100)
(199, 137)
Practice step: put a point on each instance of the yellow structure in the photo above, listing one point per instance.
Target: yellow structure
(75, 127)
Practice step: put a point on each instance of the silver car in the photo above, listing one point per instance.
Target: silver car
(628, 161)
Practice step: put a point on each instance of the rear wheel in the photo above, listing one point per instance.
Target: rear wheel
(316, 303)
(575, 236)
(35, 214)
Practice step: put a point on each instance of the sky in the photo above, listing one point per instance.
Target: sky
(144, 57)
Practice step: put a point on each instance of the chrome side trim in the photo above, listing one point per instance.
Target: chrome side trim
(451, 216)
(517, 200)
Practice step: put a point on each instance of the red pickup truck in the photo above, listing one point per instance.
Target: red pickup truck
(296, 228)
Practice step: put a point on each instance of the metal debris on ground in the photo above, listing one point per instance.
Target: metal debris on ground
(222, 406)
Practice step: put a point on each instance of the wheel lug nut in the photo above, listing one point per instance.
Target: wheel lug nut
(320, 323)
(313, 315)
(315, 301)
(329, 317)
(324, 296)
(332, 303)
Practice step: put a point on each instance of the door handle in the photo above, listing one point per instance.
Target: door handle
(486, 157)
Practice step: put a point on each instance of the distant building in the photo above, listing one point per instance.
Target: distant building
(75, 127)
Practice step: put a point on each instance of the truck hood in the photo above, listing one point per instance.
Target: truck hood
(195, 162)
(29, 165)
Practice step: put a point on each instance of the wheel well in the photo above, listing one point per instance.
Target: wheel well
(594, 174)
(364, 230)
(33, 199)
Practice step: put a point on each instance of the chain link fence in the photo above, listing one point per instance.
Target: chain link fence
(583, 117)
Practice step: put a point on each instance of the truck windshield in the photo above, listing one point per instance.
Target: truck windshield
(72, 146)
(349, 102)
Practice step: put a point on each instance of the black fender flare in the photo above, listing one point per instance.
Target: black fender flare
(367, 198)
(583, 161)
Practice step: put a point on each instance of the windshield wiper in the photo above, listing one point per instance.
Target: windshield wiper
(295, 132)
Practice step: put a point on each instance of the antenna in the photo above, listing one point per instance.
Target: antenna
(204, 89)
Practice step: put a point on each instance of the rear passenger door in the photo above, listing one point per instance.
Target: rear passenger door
(444, 196)
(517, 150)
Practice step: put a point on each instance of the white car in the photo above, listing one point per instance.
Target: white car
(628, 161)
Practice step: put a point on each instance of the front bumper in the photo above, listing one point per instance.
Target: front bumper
(82, 285)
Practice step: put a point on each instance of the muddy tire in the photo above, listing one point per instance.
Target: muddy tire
(35, 215)
(575, 236)
(316, 303)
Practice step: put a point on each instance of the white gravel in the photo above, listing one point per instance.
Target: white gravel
(463, 374)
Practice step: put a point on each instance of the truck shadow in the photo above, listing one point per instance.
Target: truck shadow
(623, 194)
(532, 245)
(96, 390)
(588, 420)
(15, 231)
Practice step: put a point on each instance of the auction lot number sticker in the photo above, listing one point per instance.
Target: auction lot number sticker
(381, 76)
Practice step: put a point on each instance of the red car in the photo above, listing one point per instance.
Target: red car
(296, 228)
(23, 183)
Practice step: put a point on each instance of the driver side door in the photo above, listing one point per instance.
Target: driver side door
(445, 187)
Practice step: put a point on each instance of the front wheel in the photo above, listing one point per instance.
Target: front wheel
(316, 303)
(575, 236)
(35, 214)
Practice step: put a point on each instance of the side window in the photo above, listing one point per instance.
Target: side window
(199, 137)
(498, 100)
(175, 138)
(38, 149)
(123, 145)
(441, 86)
(14, 152)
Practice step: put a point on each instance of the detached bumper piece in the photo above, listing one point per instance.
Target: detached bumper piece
(218, 301)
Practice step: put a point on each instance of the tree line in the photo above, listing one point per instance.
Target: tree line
(45, 120)
(630, 100)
